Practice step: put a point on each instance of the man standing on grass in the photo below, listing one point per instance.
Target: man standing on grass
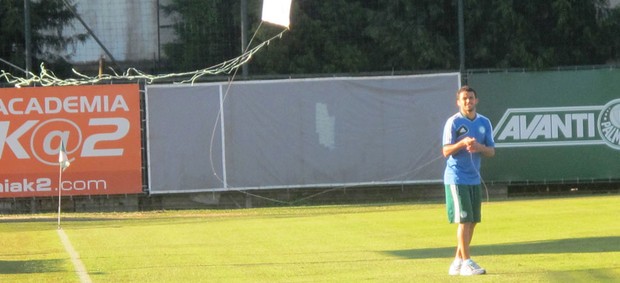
(467, 136)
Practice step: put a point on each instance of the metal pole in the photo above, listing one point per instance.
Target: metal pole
(59, 192)
(244, 35)
(158, 35)
(461, 26)
(28, 37)
(14, 66)
(223, 137)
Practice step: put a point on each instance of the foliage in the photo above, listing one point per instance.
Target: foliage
(208, 33)
(48, 19)
(537, 34)
(352, 36)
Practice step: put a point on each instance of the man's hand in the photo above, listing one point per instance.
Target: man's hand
(473, 146)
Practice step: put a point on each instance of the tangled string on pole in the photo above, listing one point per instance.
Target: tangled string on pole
(48, 78)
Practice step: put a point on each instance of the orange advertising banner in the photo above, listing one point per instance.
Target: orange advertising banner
(100, 127)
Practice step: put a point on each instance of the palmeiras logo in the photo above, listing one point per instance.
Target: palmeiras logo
(609, 124)
(560, 126)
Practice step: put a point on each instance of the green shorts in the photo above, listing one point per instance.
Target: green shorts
(463, 203)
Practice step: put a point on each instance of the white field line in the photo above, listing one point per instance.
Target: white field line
(80, 269)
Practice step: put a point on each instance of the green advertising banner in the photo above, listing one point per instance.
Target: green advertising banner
(552, 127)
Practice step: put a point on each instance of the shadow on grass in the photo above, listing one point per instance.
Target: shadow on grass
(575, 245)
(31, 266)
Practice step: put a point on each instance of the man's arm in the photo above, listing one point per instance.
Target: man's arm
(450, 149)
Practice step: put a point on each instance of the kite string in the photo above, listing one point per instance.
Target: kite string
(220, 111)
(407, 171)
(471, 157)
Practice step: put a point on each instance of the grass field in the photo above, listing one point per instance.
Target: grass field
(573, 239)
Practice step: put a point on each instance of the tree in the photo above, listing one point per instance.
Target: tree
(536, 34)
(415, 35)
(208, 33)
(48, 19)
(324, 38)
(354, 36)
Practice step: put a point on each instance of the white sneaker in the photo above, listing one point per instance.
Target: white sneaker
(469, 267)
(455, 267)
